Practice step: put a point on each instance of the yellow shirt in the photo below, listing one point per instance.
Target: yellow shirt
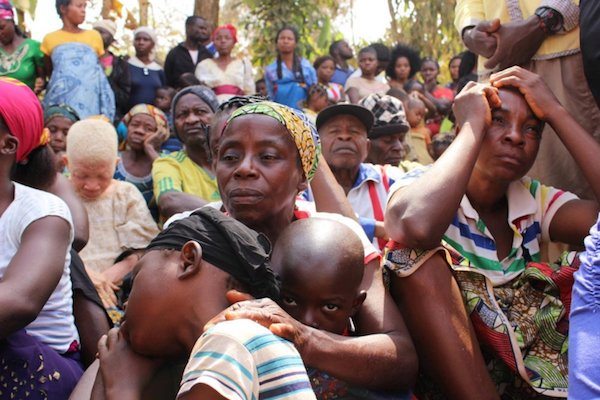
(419, 139)
(176, 172)
(470, 12)
(90, 37)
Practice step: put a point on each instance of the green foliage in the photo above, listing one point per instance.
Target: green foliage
(427, 25)
(312, 19)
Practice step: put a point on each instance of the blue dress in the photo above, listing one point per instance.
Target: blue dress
(145, 79)
(79, 81)
(289, 90)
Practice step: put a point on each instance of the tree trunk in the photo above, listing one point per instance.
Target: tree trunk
(208, 9)
(394, 22)
(106, 7)
(144, 4)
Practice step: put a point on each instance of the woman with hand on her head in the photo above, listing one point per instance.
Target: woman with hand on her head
(38, 338)
(147, 130)
(484, 244)
(20, 57)
(145, 73)
(184, 180)
(82, 84)
(226, 75)
(289, 76)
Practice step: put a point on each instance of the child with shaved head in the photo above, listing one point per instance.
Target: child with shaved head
(321, 264)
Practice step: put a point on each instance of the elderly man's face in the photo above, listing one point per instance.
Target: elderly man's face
(344, 142)
(388, 149)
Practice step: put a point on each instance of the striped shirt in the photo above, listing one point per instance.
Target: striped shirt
(176, 172)
(242, 360)
(531, 207)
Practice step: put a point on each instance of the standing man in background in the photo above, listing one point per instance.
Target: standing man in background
(186, 55)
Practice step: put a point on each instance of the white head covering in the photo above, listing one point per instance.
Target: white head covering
(150, 32)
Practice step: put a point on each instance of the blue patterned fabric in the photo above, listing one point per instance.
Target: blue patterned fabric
(79, 81)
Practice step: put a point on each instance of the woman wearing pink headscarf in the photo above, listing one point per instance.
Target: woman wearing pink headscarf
(226, 75)
(39, 344)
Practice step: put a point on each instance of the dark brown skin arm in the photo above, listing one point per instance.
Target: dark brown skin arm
(572, 221)
(30, 279)
(447, 346)
(385, 353)
(384, 350)
(171, 203)
(447, 179)
(328, 194)
(48, 65)
(63, 189)
(352, 94)
(517, 41)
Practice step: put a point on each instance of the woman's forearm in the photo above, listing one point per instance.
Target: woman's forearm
(379, 361)
(410, 219)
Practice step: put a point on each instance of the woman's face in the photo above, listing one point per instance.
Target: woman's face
(454, 67)
(59, 127)
(140, 127)
(367, 61)
(192, 116)
(512, 140)
(402, 69)
(224, 41)
(7, 31)
(325, 71)
(74, 12)
(286, 41)
(143, 44)
(258, 170)
(429, 71)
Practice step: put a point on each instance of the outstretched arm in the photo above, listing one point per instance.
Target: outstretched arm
(409, 219)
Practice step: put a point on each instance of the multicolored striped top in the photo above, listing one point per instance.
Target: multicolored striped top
(242, 360)
(531, 207)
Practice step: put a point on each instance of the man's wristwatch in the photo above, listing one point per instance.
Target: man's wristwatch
(550, 20)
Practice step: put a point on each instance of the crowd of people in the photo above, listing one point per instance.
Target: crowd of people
(192, 230)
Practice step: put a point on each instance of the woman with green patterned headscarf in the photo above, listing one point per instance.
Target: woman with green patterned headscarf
(266, 156)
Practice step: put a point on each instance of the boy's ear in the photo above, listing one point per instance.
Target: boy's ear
(358, 301)
(191, 260)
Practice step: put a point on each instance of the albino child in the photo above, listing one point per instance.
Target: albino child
(118, 215)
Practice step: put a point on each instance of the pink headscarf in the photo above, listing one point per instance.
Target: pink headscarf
(228, 27)
(23, 115)
(6, 11)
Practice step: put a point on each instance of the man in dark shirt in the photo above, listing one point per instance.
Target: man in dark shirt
(186, 55)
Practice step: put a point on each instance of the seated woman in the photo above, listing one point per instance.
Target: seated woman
(366, 84)
(227, 76)
(39, 344)
(492, 221)
(58, 118)
(147, 130)
(266, 156)
(183, 180)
